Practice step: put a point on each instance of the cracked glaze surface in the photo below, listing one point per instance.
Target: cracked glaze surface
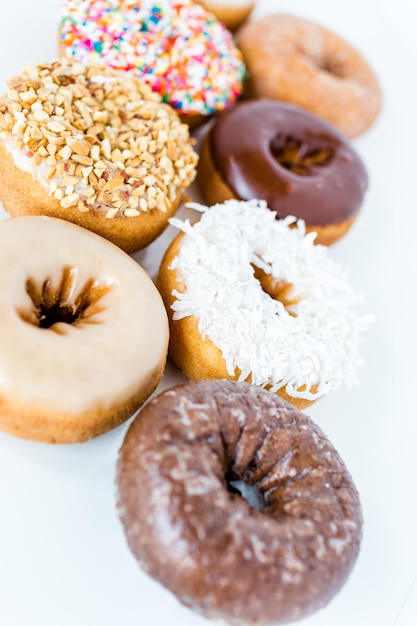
(208, 545)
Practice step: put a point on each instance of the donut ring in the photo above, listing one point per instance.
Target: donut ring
(252, 298)
(232, 13)
(295, 161)
(189, 529)
(175, 46)
(84, 332)
(93, 147)
(295, 60)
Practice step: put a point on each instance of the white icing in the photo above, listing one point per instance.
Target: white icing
(339, 545)
(260, 549)
(103, 80)
(89, 366)
(26, 164)
(316, 347)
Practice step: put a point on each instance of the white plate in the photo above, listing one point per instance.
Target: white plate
(63, 556)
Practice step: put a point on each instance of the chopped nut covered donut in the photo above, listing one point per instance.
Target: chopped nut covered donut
(183, 464)
(95, 147)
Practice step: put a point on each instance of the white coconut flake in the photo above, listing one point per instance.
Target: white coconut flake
(308, 348)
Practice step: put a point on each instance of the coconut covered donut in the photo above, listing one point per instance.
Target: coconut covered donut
(252, 298)
(273, 556)
(84, 332)
(297, 162)
(231, 12)
(175, 46)
(94, 147)
(296, 60)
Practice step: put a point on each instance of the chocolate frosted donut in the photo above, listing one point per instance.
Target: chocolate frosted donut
(297, 162)
(182, 468)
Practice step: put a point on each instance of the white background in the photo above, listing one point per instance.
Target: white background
(63, 557)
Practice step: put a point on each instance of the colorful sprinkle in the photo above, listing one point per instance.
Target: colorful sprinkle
(178, 48)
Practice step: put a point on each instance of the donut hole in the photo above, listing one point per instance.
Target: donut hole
(278, 289)
(300, 157)
(331, 66)
(328, 61)
(55, 306)
(250, 493)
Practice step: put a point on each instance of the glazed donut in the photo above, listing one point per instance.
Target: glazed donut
(175, 46)
(93, 147)
(252, 298)
(295, 161)
(182, 467)
(231, 12)
(293, 59)
(84, 332)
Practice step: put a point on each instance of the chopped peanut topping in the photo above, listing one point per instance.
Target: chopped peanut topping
(97, 139)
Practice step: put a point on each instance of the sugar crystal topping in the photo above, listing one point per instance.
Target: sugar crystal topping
(175, 46)
(97, 139)
(308, 347)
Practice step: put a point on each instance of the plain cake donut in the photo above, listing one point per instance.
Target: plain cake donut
(275, 557)
(293, 59)
(84, 332)
(253, 298)
(297, 162)
(175, 46)
(94, 147)
(232, 13)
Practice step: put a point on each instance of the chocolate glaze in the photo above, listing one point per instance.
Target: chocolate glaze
(324, 185)
(270, 563)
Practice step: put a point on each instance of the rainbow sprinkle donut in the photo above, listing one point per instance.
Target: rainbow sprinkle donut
(178, 48)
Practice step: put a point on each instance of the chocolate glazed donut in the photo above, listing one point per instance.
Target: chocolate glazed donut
(300, 164)
(182, 468)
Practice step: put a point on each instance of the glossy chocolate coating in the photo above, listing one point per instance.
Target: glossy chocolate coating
(268, 562)
(297, 162)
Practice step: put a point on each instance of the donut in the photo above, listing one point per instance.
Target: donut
(84, 332)
(175, 46)
(237, 503)
(293, 59)
(231, 12)
(94, 147)
(253, 298)
(294, 160)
